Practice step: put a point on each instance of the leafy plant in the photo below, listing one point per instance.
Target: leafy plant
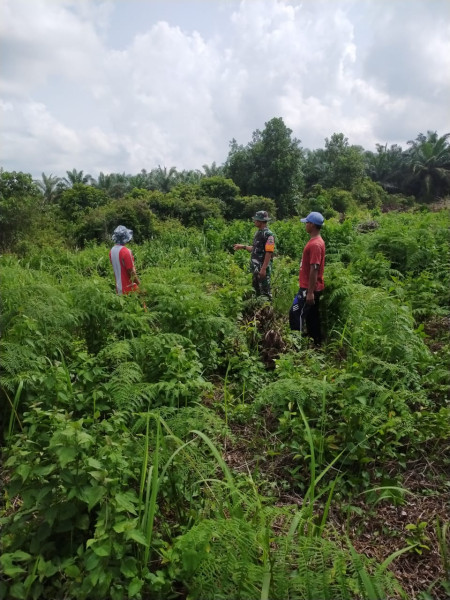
(417, 537)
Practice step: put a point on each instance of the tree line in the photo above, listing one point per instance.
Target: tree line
(272, 172)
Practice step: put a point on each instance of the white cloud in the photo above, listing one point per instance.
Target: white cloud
(44, 39)
(175, 94)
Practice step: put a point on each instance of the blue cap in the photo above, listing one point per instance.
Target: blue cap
(314, 217)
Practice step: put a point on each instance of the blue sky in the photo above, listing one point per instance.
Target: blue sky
(125, 85)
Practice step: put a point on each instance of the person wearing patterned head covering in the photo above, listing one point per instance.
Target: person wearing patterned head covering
(122, 261)
(262, 250)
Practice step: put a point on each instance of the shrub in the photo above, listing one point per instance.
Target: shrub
(341, 200)
(222, 189)
(369, 193)
(249, 205)
(79, 199)
(20, 201)
(132, 212)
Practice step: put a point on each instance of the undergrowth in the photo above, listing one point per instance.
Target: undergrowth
(119, 413)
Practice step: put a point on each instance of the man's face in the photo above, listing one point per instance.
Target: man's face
(259, 224)
(309, 227)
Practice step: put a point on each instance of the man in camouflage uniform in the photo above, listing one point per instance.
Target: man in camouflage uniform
(262, 250)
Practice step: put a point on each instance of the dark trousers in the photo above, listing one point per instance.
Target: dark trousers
(302, 313)
(262, 286)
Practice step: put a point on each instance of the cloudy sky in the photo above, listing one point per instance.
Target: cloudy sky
(122, 85)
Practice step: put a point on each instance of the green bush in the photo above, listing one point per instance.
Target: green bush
(248, 206)
(80, 199)
(369, 193)
(132, 212)
(20, 201)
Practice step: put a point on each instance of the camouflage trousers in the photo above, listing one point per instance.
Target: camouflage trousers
(261, 286)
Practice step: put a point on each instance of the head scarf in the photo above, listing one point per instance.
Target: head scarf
(122, 235)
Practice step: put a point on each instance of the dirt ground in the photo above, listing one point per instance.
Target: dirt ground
(377, 529)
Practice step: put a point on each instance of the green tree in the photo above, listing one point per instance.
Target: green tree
(338, 165)
(213, 170)
(239, 165)
(49, 188)
(131, 211)
(162, 179)
(386, 166)
(249, 205)
(344, 163)
(189, 176)
(192, 206)
(79, 199)
(368, 192)
(75, 176)
(116, 185)
(428, 159)
(323, 200)
(224, 190)
(141, 180)
(270, 166)
(314, 168)
(20, 201)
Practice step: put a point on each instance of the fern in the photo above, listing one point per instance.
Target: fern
(291, 393)
(183, 422)
(115, 353)
(222, 558)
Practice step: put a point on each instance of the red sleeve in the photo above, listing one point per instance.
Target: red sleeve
(126, 258)
(315, 254)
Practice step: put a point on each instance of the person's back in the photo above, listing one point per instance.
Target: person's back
(122, 261)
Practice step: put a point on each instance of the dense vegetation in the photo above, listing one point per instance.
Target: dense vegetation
(272, 172)
(183, 442)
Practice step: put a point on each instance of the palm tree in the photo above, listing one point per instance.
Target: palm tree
(116, 185)
(428, 159)
(189, 177)
(49, 187)
(142, 180)
(213, 170)
(75, 176)
(386, 166)
(164, 180)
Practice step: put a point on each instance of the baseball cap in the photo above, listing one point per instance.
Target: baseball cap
(314, 217)
(261, 215)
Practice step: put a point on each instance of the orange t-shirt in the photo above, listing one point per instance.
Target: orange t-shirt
(313, 254)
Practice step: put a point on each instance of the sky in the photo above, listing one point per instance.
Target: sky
(125, 85)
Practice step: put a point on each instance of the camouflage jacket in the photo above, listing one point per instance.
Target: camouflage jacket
(263, 242)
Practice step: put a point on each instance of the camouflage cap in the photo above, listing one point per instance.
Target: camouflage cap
(261, 215)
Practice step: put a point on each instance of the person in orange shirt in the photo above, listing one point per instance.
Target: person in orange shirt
(122, 261)
(311, 284)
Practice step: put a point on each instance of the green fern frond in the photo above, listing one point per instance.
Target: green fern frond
(223, 558)
(116, 353)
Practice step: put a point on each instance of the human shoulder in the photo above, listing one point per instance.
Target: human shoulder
(316, 241)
